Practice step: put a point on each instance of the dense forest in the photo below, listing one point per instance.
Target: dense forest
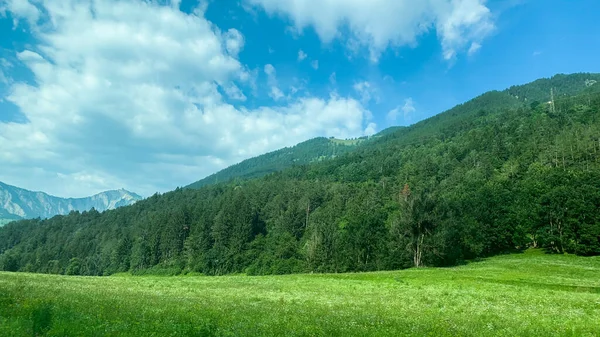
(505, 171)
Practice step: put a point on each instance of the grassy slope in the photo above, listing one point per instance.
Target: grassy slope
(514, 295)
(312, 150)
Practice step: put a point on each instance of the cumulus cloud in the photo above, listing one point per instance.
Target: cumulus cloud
(129, 94)
(378, 25)
(315, 64)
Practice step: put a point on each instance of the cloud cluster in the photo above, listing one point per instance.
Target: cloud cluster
(137, 95)
(377, 25)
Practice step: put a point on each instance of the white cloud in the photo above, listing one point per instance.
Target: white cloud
(301, 56)
(274, 91)
(22, 9)
(128, 95)
(234, 92)
(371, 129)
(270, 70)
(409, 107)
(380, 24)
(367, 91)
(474, 48)
(315, 64)
(407, 110)
(234, 41)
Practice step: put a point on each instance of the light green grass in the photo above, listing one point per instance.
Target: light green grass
(348, 142)
(513, 295)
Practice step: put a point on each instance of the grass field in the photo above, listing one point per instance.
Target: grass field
(528, 294)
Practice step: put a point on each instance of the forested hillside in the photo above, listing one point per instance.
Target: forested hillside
(307, 152)
(505, 171)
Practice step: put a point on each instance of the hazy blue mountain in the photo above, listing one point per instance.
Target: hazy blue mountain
(17, 203)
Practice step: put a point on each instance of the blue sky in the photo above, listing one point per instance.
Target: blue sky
(150, 95)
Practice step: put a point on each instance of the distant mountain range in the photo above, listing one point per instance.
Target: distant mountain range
(17, 203)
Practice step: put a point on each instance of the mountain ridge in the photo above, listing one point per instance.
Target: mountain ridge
(18, 203)
(536, 92)
(306, 152)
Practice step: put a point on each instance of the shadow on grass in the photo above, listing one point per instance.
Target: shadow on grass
(41, 317)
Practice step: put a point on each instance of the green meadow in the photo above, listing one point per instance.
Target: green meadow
(529, 294)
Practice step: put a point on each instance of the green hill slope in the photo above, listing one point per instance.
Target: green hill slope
(319, 149)
(307, 152)
(494, 175)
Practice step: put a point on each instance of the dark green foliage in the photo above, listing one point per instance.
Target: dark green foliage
(41, 317)
(491, 176)
(9, 262)
(74, 267)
